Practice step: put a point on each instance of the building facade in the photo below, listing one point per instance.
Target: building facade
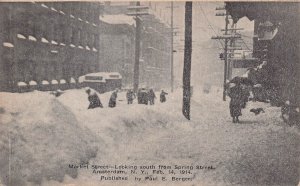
(54, 43)
(117, 51)
(154, 47)
(276, 45)
(48, 43)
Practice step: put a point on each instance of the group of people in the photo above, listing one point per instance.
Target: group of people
(95, 101)
(146, 97)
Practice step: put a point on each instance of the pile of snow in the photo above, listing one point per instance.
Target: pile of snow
(20, 36)
(117, 118)
(44, 82)
(54, 82)
(21, 83)
(62, 81)
(31, 38)
(7, 44)
(39, 138)
(45, 134)
(32, 83)
(131, 134)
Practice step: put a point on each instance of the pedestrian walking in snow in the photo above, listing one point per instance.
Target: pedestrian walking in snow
(151, 96)
(57, 93)
(130, 96)
(93, 99)
(142, 96)
(245, 94)
(163, 96)
(236, 101)
(113, 99)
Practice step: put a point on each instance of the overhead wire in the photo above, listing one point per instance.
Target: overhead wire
(209, 24)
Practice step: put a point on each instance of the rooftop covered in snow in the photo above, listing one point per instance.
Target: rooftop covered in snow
(118, 19)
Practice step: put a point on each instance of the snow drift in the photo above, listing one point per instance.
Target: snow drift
(56, 131)
(41, 134)
(39, 137)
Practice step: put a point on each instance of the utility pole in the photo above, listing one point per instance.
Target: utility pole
(137, 14)
(136, 70)
(226, 57)
(232, 48)
(172, 49)
(187, 60)
(225, 48)
(172, 45)
(227, 37)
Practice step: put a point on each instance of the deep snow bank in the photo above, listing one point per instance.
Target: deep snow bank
(112, 124)
(39, 137)
(41, 134)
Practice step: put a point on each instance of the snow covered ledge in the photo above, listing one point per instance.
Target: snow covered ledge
(21, 84)
(32, 83)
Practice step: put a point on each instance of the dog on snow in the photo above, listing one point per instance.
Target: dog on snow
(257, 111)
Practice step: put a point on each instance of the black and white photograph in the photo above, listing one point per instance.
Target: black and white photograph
(109, 93)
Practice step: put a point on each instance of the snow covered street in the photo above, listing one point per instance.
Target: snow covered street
(261, 150)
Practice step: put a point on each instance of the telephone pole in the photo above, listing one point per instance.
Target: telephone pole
(226, 37)
(187, 60)
(136, 70)
(137, 13)
(232, 48)
(172, 49)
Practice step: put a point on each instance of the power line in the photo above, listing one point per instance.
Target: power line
(244, 41)
(245, 35)
(245, 44)
(210, 24)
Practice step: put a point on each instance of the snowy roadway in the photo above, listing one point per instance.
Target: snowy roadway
(261, 150)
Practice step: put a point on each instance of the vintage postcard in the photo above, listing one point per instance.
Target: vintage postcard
(149, 93)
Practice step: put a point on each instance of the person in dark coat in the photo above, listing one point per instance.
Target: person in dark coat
(130, 96)
(113, 99)
(236, 102)
(151, 96)
(57, 93)
(245, 95)
(93, 99)
(163, 96)
(142, 96)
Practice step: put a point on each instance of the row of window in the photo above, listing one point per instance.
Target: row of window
(71, 16)
(63, 35)
(44, 40)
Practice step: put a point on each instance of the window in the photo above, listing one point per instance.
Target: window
(94, 78)
(7, 44)
(31, 38)
(21, 36)
(114, 76)
(44, 40)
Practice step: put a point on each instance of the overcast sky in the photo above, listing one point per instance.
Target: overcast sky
(205, 56)
(205, 61)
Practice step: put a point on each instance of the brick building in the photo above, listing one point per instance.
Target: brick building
(117, 41)
(53, 43)
(119, 34)
(45, 43)
(156, 52)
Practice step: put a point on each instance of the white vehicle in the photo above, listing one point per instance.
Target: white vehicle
(93, 80)
(102, 81)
